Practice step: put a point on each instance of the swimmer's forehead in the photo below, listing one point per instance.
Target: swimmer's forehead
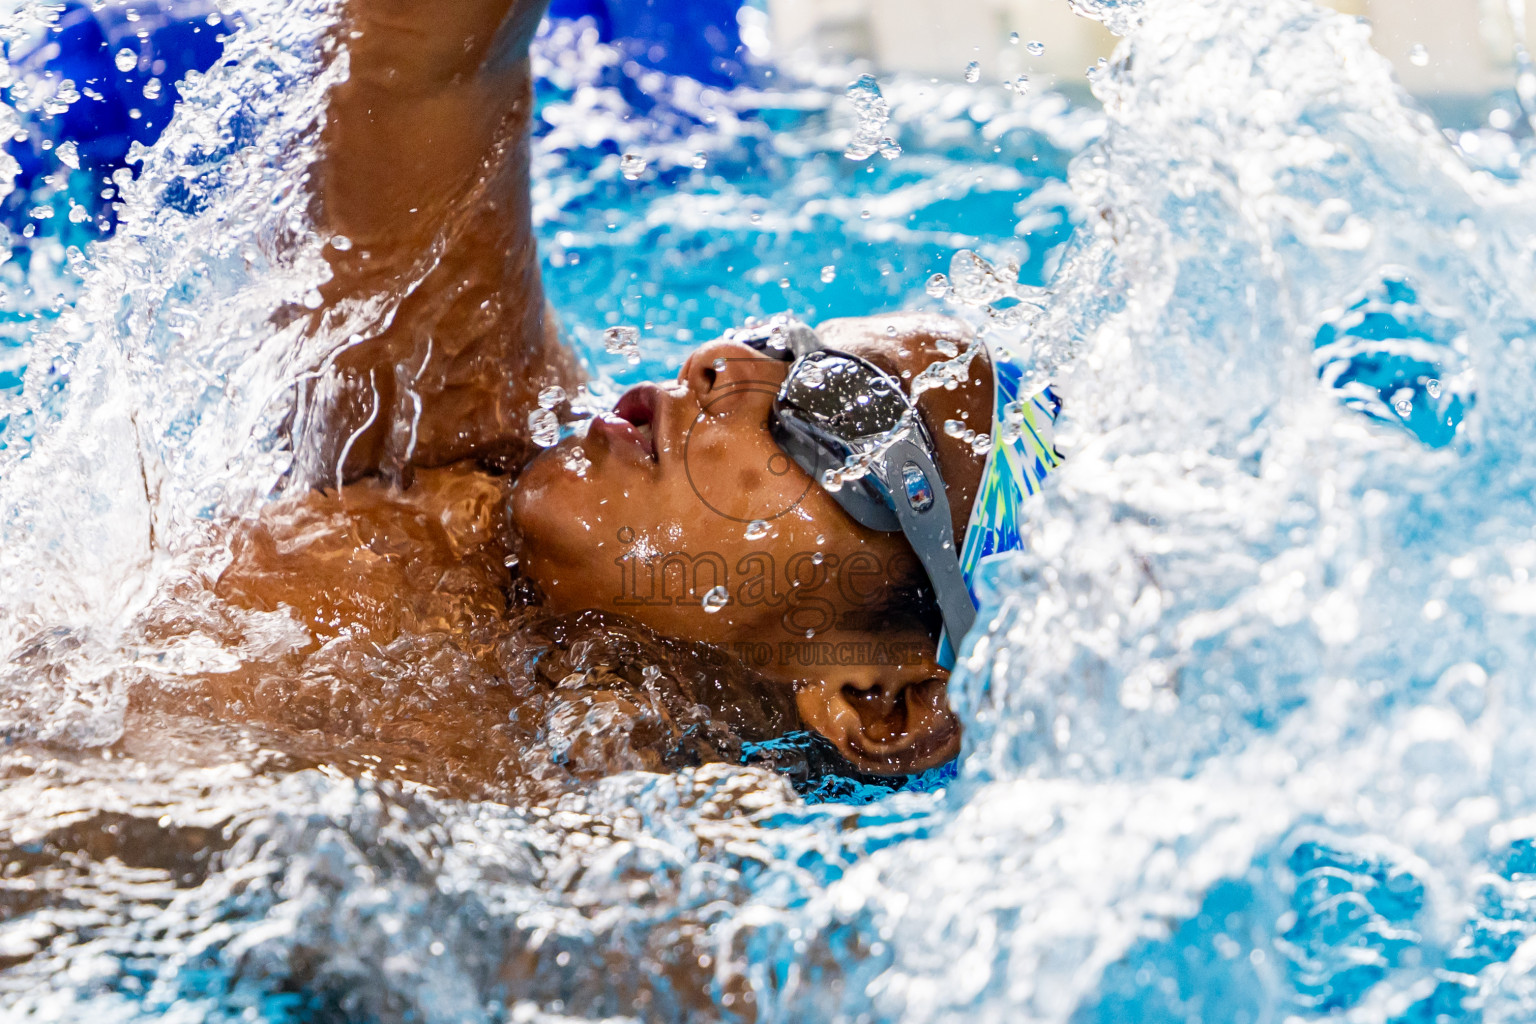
(904, 344)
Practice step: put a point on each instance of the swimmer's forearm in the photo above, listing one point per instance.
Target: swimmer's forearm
(430, 89)
(407, 46)
(425, 173)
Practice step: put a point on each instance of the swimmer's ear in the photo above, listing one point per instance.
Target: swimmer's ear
(885, 719)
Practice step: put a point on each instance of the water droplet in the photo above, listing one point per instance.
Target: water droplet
(864, 215)
(1020, 85)
(633, 165)
(719, 365)
(954, 428)
(981, 444)
(757, 529)
(872, 113)
(510, 561)
(650, 674)
(1404, 408)
(1433, 388)
(341, 243)
(973, 72)
(831, 480)
(623, 341)
(551, 396)
(811, 375)
(828, 274)
(1418, 56)
(976, 282)
(1036, 48)
(700, 159)
(716, 599)
(543, 428)
(68, 155)
(152, 89)
(946, 348)
(126, 59)
(820, 540)
(890, 148)
(1013, 39)
(938, 286)
(818, 558)
(577, 462)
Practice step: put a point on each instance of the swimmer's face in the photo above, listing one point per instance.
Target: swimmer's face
(681, 511)
(682, 490)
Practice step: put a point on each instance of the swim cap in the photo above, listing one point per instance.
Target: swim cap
(1022, 453)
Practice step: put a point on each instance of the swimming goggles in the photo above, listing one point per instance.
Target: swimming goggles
(850, 426)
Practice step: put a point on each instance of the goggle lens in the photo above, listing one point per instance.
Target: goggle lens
(843, 396)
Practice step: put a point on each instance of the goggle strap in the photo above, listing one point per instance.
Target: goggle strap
(794, 339)
(929, 532)
(803, 340)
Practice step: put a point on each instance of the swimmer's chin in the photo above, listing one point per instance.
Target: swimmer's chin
(559, 458)
(537, 485)
(557, 488)
(550, 465)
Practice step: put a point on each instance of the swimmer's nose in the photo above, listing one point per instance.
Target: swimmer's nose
(722, 366)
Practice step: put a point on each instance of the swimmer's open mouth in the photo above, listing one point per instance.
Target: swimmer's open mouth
(634, 416)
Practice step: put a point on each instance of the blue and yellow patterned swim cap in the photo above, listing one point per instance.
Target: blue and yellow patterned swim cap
(1022, 453)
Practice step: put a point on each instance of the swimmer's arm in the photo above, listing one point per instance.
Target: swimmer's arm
(425, 175)
(430, 86)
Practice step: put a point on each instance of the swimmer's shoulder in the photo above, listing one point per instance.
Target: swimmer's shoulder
(374, 554)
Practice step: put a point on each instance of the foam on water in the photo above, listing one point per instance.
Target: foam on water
(1248, 726)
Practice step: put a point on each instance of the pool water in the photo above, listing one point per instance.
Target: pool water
(1248, 724)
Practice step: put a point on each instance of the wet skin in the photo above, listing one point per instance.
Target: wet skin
(426, 176)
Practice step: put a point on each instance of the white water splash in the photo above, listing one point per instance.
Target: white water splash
(114, 452)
